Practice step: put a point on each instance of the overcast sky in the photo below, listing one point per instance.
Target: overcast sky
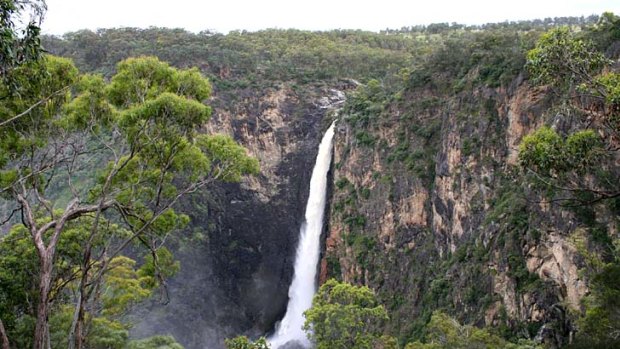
(225, 15)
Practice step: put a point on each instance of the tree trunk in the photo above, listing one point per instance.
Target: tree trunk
(80, 333)
(74, 323)
(45, 282)
(47, 336)
(76, 333)
(3, 337)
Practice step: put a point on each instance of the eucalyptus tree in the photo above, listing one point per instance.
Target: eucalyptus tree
(19, 44)
(344, 316)
(105, 154)
(589, 87)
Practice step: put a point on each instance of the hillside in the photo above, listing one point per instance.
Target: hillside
(433, 202)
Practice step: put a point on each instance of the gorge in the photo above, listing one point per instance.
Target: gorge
(466, 178)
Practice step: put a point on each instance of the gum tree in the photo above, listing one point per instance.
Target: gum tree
(123, 152)
(587, 85)
(19, 44)
(344, 316)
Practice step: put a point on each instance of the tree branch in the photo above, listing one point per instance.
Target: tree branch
(10, 216)
(27, 111)
(29, 220)
(72, 212)
(602, 195)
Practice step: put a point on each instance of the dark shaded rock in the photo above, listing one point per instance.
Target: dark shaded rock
(236, 280)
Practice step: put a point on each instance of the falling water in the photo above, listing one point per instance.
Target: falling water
(304, 285)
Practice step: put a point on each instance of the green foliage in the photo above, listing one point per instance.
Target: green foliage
(19, 46)
(363, 107)
(344, 316)
(144, 125)
(160, 264)
(601, 323)
(140, 79)
(104, 333)
(610, 82)
(545, 152)
(229, 160)
(333, 265)
(107, 334)
(607, 86)
(123, 287)
(562, 59)
(509, 209)
(156, 342)
(606, 31)
(241, 60)
(517, 270)
(46, 80)
(444, 332)
(90, 104)
(18, 262)
(467, 148)
(598, 326)
(242, 342)
(355, 221)
(364, 138)
(343, 182)
(461, 59)
(571, 63)
(555, 164)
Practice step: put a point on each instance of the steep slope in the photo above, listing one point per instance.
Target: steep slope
(237, 256)
(428, 205)
(238, 261)
(431, 210)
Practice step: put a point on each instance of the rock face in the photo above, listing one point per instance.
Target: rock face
(426, 202)
(234, 277)
(428, 210)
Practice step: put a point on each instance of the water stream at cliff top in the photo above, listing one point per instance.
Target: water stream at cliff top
(304, 283)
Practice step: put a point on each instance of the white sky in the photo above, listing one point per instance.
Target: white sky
(225, 15)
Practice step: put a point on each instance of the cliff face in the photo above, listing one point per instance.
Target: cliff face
(237, 260)
(427, 204)
(428, 209)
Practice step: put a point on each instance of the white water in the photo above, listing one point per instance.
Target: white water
(304, 285)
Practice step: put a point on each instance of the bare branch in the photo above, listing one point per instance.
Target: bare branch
(29, 215)
(15, 210)
(43, 201)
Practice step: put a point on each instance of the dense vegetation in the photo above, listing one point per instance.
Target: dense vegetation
(572, 169)
(258, 59)
(460, 89)
(80, 248)
(65, 280)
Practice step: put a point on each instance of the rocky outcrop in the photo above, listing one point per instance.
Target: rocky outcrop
(553, 258)
(427, 205)
(432, 214)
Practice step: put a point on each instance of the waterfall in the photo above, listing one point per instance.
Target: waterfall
(304, 285)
